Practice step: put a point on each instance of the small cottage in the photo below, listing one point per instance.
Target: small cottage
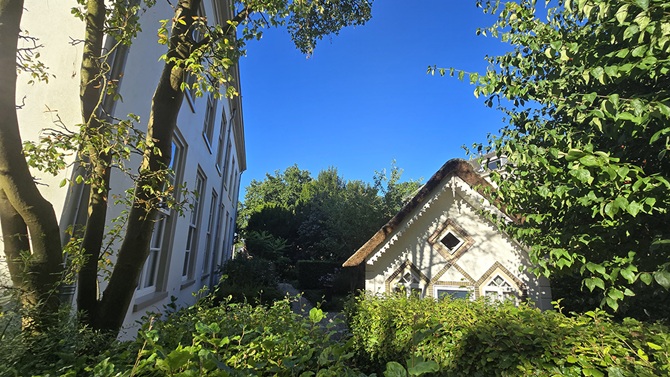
(441, 243)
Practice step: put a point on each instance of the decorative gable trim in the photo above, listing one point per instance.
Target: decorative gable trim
(386, 245)
(390, 232)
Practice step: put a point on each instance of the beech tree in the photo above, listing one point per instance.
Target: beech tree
(586, 94)
(36, 262)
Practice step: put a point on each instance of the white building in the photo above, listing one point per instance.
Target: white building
(208, 149)
(440, 243)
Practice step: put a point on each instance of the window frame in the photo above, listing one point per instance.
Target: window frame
(192, 236)
(210, 118)
(209, 237)
(470, 291)
(156, 265)
(221, 145)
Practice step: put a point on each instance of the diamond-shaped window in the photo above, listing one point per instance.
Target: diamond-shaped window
(451, 242)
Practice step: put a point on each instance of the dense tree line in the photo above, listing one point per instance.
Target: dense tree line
(290, 215)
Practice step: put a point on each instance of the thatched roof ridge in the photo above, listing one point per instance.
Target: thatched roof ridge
(455, 167)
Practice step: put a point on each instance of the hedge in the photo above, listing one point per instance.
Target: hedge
(468, 338)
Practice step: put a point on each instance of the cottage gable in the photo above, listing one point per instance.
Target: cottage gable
(440, 244)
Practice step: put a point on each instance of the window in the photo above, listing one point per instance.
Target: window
(440, 292)
(192, 236)
(210, 114)
(228, 243)
(147, 280)
(209, 238)
(226, 164)
(151, 272)
(230, 183)
(220, 149)
(409, 282)
(451, 241)
(498, 289)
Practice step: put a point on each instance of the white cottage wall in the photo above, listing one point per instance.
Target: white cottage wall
(453, 199)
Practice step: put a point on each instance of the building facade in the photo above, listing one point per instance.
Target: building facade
(208, 149)
(442, 243)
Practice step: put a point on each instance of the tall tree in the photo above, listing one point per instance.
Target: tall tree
(35, 262)
(587, 97)
(326, 218)
(24, 211)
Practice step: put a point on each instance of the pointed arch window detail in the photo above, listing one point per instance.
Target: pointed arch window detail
(407, 279)
(499, 289)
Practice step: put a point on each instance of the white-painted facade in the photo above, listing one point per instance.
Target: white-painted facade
(443, 244)
(209, 149)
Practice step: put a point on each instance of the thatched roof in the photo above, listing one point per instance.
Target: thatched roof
(455, 167)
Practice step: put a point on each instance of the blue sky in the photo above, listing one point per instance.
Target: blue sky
(363, 99)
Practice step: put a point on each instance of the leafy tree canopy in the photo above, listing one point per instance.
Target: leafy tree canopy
(324, 218)
(586, 93)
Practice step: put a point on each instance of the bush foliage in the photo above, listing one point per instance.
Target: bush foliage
(249, 279)
(468, 338)
(389, 336)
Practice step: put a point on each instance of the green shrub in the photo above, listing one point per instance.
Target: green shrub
(468, 338)
(65, 349)
(238, 339)
(249, 279)
(313, 274)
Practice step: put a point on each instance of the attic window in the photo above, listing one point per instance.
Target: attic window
(499, 290)
(451, 242)
(408, 283)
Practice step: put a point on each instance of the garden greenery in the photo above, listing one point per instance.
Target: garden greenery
(389, 336)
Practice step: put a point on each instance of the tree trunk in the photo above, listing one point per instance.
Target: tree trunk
(15, 239)
(91, 86)
(165, 106)
(44, 267)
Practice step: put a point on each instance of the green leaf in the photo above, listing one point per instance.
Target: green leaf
(646, 278)
(574, 154)
(423, 368)
(654, 346)
(612, 303)
(622, 13)
(394, 369)
(598, 74)
(663, 279)
(589, 160)
(615, 294)
(316, 315)
(592, 372)
(582, 175)
(634, 208)
(592, 283)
